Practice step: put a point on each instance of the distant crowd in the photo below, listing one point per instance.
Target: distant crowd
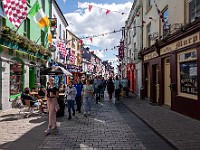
(79, 92)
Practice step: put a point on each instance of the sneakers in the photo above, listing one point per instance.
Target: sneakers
(85, 114)
(48, 131)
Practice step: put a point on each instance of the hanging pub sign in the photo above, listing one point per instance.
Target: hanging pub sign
(53, 22)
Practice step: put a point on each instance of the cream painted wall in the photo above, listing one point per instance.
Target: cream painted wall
(176, 14)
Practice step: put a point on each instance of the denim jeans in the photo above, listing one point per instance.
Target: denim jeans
(70, 105)
(87, 103)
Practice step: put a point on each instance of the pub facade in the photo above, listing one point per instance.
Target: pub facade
(171, 71)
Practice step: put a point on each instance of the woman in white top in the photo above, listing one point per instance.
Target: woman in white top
(88, 90)
(71, 94)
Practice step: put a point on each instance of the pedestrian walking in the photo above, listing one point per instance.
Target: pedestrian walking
(97, 88)
(117, 85)
(79, 87)
(88, 91)
(71, 94)
(53, 107)
(110, 88)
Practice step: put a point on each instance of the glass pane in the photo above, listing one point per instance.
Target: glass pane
(188, 77)
(15, 78)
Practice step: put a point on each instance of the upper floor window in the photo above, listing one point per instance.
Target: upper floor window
(43, 5)
(134, 28)
(60, 31)
(194, 9)
(42, 37)
(64, 35)
(166, 27)
(149, 3)
(149, 34)
(27, 28)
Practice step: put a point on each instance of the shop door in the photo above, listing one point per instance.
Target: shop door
(167, 81)
(157, 84)
(148, 81)
(31, 77)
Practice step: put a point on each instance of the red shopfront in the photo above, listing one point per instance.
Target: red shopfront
(131, 76)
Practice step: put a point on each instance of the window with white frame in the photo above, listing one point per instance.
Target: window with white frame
(43, 5)
(194, 9)
(134, 28)
(149, 3)
(149, 34)
(166, 27)
(60, 31)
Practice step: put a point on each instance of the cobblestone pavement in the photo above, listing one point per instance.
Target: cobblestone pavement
(181, 131)
(105, 129)
(18, 132)
(108, 127)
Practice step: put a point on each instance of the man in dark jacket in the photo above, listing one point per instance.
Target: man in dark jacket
(78, 98)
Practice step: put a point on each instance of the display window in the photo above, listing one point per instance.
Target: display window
(15, 78)
(187, 74)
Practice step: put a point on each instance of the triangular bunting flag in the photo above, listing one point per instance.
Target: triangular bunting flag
(90, 7)
(107, 12)
(91, 39)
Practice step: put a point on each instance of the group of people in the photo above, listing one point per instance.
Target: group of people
(80, 92)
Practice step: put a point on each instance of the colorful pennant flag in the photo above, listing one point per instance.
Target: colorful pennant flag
(90, 7)
(38, 15)
(91, 40)
(107, 12)
(16, 10)
(160, 14)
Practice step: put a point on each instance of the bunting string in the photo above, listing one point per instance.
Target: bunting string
(101, 8)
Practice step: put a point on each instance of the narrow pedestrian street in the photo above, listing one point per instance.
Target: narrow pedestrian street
(110, 126)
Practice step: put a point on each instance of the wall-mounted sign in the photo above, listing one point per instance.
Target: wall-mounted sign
(150, 55)
(53, 22)
(192, 39)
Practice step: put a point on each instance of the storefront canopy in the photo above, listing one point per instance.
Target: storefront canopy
(55, 70)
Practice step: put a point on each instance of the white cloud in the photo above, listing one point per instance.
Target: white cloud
(99, 53)
(84, 23)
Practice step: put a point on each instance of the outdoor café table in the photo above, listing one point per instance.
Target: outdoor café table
(61, 102)
(34, 94)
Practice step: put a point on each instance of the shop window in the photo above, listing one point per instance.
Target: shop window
(15, 78)
(194, 9)
(187, 68)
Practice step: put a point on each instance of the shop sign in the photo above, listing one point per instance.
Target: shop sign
(151, 55)
(74, 68)
(194, 38)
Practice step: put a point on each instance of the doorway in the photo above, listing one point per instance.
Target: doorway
(148, 81)
(167, 81)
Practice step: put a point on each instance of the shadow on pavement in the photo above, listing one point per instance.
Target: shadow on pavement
(29, 140)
